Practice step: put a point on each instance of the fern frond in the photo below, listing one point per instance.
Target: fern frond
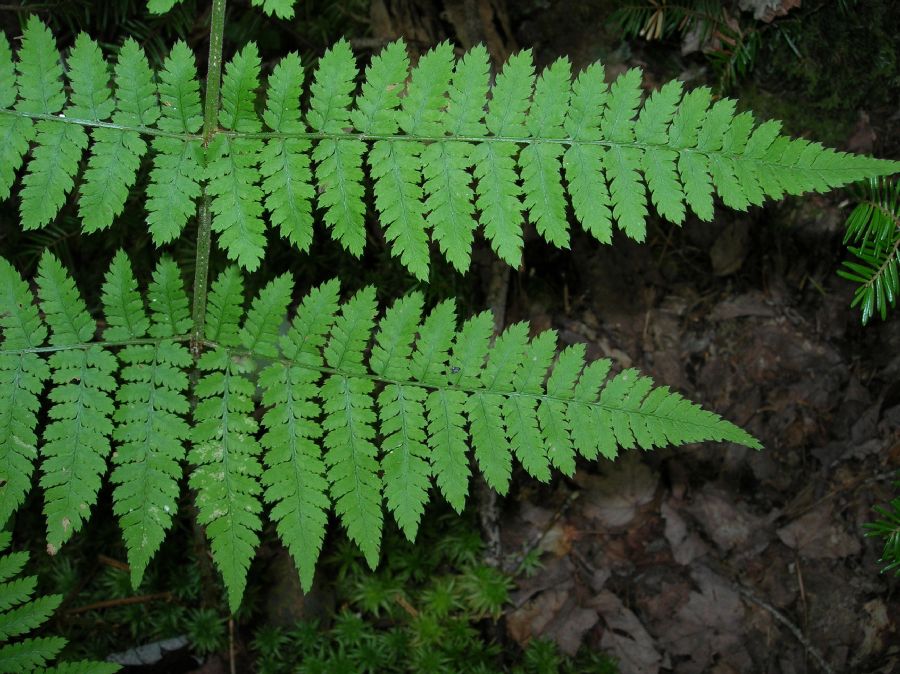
(284, 162)
(540, 162)
(424, 134)
(401, 412)
(338, 169)
(232, 164)
(339, 427)
(21, 613)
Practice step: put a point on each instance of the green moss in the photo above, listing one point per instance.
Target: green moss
(825, 63)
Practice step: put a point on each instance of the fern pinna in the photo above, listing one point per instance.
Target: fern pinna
(357, 412)
(441, 163)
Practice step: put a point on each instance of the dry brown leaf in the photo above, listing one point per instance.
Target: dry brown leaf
(708, 625)
(625, 637)
(816, 535)
(686, 545)
(614, 498)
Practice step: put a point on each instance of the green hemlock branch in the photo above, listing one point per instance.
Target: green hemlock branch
(21, 613)
(349, 408)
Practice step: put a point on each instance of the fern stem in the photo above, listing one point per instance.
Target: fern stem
(210, 125)
(97, 124)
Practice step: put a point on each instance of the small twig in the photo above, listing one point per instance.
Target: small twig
(114, 563)
(123, 601)
(539, 539)
(792, 628)
(406, 606)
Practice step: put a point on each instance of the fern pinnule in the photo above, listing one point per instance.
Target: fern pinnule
(232, 172)
(284, 162)
(401, 412)
(151, 405)
(225, 451)
(349, 426)
(22, 377)
(338, 172)
(76, 440)
(175, 176)
(295, 473)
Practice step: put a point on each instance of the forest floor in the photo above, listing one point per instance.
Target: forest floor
(716, 558)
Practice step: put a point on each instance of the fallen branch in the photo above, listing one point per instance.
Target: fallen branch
(792, 628)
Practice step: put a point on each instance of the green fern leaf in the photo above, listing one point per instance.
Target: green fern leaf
(123, 305)
(168, 301)
(262, 327)
(520, 413)
(445, 165)
(622, 161)
(40, 71)
(444, 408)
(349, 427)
(553, 410)
(22, 377)
(232, 169)
(489, 441)
(149, 423)
(225, 308)
(59, 146)
(76, 441)
(116, 155)
(540, 162)
(294, 476)
(659, 162)
(174, 184)
(338, 162)
(499, 195)
(16, 133)
(284, 162)
(283, 9)
(397, 166)
(89, 76)
(161, 6)
(376, 107)
(225, 450)
(402, 416)
(583, 163)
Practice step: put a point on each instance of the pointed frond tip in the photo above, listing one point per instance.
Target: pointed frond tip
(358, 411)
(414, 137)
